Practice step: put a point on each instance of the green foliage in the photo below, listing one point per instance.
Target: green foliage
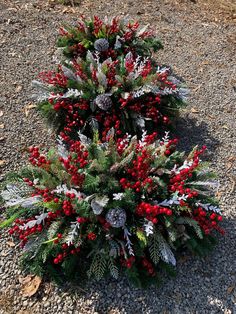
(192, 223)
(113, 268)
(98, 266)
(53, 229)
(154, 249)
(142, 238)
(91, 183)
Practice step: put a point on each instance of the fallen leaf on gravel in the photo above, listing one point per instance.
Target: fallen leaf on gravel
(229, 165)
(233, 180)
(2, 126)
(197, 88)
(194, 110)
(27, 109)
(30, 285)
(183, 259)
(12, 9)
(65, 10)
(232, 158)
(10, 243)
(218, 194)
(1, 113)
(230, 289)
(18, 89)
(177, 296)
(205, 62)
(211, 117)
(2, 162)
(225, 127)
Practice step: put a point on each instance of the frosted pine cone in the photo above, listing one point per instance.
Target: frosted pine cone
(101, 44)
(116, 217)
(103, 101)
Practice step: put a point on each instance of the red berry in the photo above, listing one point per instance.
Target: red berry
(64, 246)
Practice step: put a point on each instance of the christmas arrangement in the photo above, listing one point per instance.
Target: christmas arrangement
(129, 205)
(114, 196)
(128, 94)
(109, 38)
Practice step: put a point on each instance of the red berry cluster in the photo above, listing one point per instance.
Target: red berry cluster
(207, 222)
(36, 158)
(111, 73)
(149, 267)
(97, 25)
(67, 250)
(163, 78)
(91, 236)
(128, 263)
(151, 212)
(109, 121)
(177, 181)
(19, 231)
(105, 225)
(73, 164)
(54, 78)
(139, 173)
(67, 208)
(45, 193)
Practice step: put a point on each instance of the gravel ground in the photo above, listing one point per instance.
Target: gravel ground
(200, 46)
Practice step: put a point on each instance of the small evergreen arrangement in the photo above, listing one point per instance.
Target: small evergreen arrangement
(110, 38)
(115, 196)
(128, 205)
(128, 94)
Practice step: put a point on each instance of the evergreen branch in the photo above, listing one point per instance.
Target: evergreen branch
(98, 266)
(154, 249)
(113, 268)
(192, 223)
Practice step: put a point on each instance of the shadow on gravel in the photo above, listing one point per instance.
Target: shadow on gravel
(191, 133)
(202, 285)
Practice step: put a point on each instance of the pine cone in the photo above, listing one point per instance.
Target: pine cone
(116, 217)
(101, 44)
(103, 101)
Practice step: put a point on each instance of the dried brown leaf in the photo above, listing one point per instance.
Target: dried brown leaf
(27, 109)
(30, 285)
(232, 158)
(18, 89)
(230, 289)
(184, 259)
(2, 162)
(10, 243)
(194, 110)
(197, 88)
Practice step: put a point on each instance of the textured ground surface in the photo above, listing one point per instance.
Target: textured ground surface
(200, 45)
